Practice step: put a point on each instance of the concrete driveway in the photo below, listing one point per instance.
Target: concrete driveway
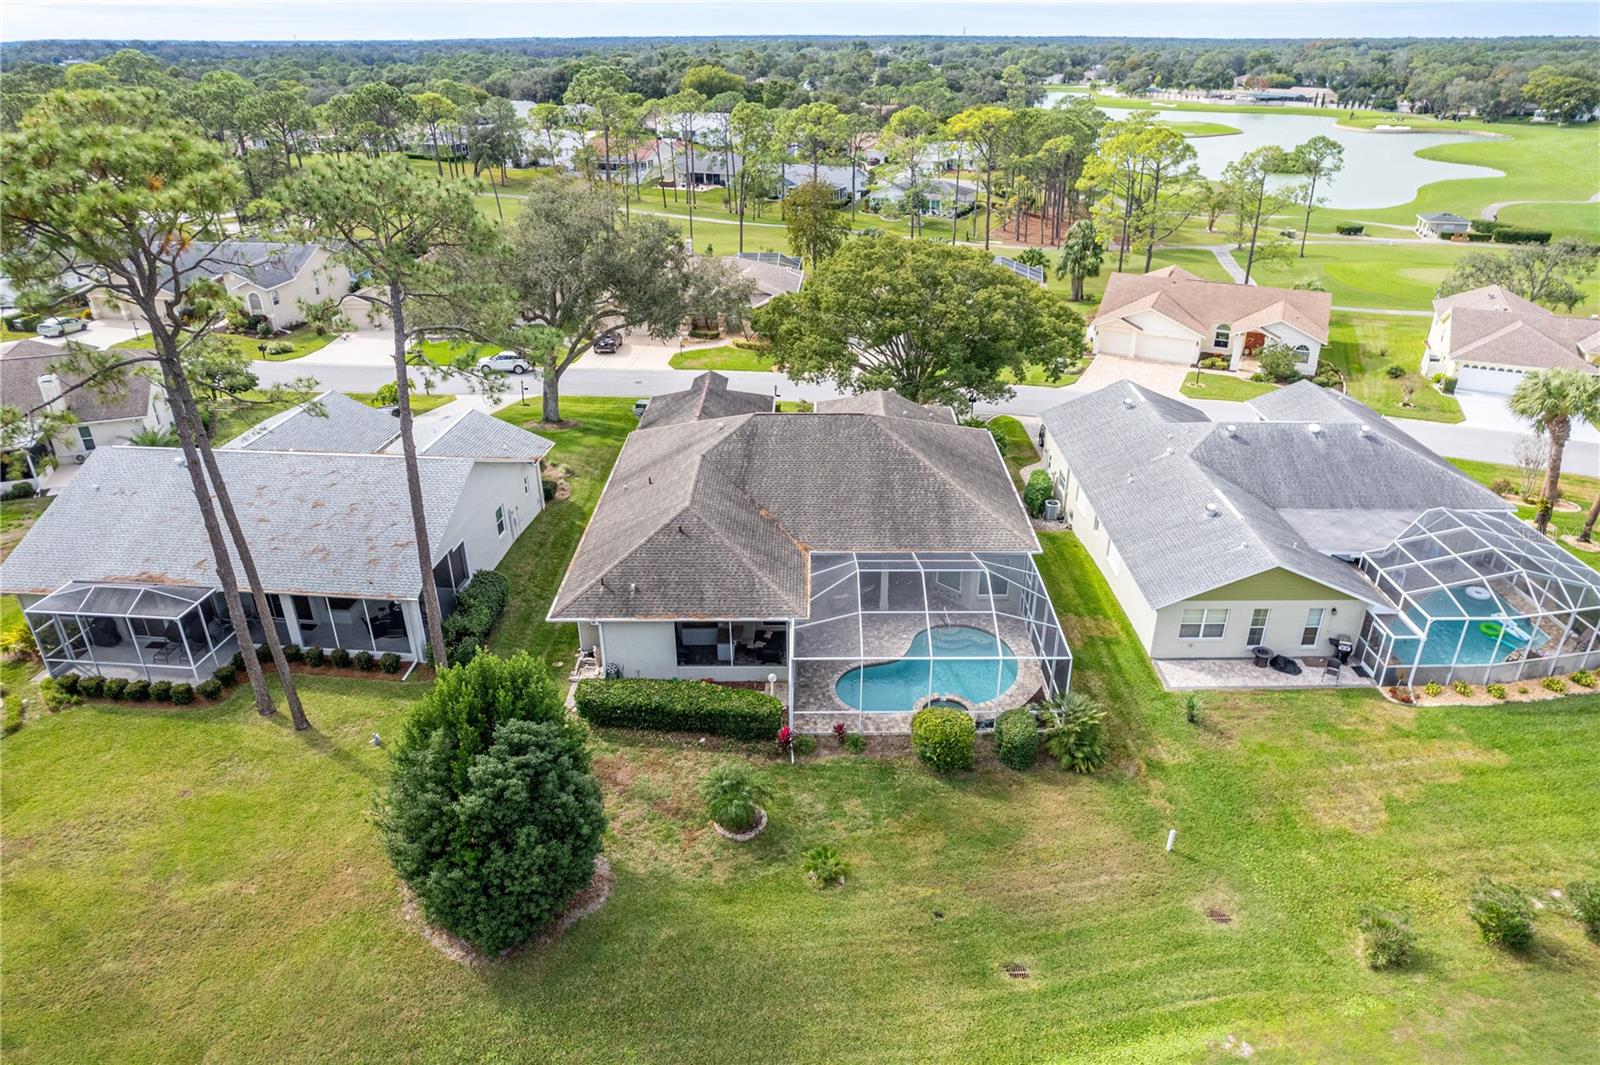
(1162, 377)
(1488, 411)
(99, 334)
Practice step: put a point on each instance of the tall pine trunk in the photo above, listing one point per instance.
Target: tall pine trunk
(432, 621)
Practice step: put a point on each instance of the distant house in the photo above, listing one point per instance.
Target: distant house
(845, 181)
(1441, 224)
(771, 273)
(28, 380)
(118, 579)
(714, 167)
(1488, 339)
(1170, 315)
(269, 278)
(941, 197)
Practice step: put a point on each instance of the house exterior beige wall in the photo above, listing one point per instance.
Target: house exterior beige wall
(1156, 338)
(650, 649)
(319, 279)
(1287, 598)
(512, 485)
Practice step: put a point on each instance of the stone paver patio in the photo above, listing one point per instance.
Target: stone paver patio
(1189, 674)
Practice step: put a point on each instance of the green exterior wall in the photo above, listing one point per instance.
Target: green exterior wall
(1270, 586)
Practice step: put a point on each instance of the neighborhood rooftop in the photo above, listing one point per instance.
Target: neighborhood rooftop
(708, 397)
(332, 422)
(263, 263)
(1494, 326)
(328, 524)
(889, 404)
(717, 518)
(24, 362)
(1316, 476)
(480, 435)
(1202, 305)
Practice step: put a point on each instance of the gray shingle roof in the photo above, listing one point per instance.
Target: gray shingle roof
(708, 397)
(888, 404)
(344, 426)
(23, 363)
(1192, 505)
(264, 263)
(717, 518)
(318, 524)
(478, 435)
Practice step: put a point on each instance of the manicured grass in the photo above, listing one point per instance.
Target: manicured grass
(7, 333)
(1203, 129)
(154, 851)
(1563, 219)
(1202, 385)
(1016, 446)
(538, 560)
(421, 402)
(1365, 345)
(303, 337)
(724, 357)
(1575, 488)
(454, 352)
(1386, 276)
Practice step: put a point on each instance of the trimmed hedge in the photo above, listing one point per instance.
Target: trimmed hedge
(680, 706)
(1483, 225)
(1016, 737)
(1349, 229)
(1039, 489)
(477, 609)
(943, 738)
(1510, 235)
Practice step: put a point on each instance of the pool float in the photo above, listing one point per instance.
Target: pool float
(1491, 629)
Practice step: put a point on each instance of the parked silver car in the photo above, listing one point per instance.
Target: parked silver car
(60, 327)
(505, 362)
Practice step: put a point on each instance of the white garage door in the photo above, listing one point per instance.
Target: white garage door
(1483, 379)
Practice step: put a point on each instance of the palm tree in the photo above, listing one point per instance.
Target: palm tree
(1550, 399)
(163, 437)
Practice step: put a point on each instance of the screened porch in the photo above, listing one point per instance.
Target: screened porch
(133, 631)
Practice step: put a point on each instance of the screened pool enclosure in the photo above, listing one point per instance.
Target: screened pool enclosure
(890, 632)
(1479, 597)
(133, 631)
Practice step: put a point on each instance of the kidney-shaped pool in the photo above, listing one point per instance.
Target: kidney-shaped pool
(963, 661)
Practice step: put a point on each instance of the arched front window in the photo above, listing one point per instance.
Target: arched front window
(1221, 337)
(255, 303)
(1303, 350)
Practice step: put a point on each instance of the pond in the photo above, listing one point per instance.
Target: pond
(1380, 169)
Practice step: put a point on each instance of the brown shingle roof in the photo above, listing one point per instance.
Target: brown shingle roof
(26, 361)
(1496, 326)
(1203, 305)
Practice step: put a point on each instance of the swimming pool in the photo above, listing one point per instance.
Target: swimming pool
(967, 662)
(1493, 624)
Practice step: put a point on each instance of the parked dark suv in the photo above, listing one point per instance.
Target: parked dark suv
(607, 343)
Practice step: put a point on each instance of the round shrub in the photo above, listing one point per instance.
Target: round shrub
(182, 694)
(1502, 915)
(389, 662)
(210, 688)
(68, 683)
(115, 688)
(1038, 489)
(1394, 373)
(943, 738)
(365, 662)
(1016, 737)
(263, 653)
(161, 690)
(492, 815)
(91, 687)
(339, 657)
(1585, 898)
(1387, 941)
(138, 690)
(21, 490)
(237, 662)
(226, 675)
(293, 653)
(732, 796)
(315, 656)
(1497, 691)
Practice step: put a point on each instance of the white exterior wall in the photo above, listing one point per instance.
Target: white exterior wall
(513, 485)
(1151, 336)
(1500, 380)
(1097, 541)
(650, 649)
(1434, 353)
(1286, 620)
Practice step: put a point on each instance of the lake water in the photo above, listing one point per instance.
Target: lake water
(1380, 169)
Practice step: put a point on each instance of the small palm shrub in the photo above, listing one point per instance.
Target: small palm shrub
(1502, 915)
(824, 867)
(1432, 688)
(1016, 737)
(1462, 687)
(1496, 691)
(1584, 678)
(1585, 898)
(943, 738)
(733, 796)
(1387, 941)
(1075, 732)
(1553, 684)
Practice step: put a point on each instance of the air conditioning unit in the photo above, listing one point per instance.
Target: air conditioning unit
(1052, 510)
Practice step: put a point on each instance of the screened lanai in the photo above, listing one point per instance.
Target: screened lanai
(133, 631)
(889, 632)
(1479, 597)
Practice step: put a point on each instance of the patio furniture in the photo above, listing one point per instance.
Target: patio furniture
(1263, 656)
(1330, 671)
(163, 650)
(1285, 665)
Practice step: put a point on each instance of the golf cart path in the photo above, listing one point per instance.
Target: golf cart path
(1493, 210)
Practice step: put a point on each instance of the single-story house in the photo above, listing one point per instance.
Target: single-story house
(117, 577)
(1441, 224)
(28, 380)
(1317, 525)
(1490, 337)
(942, 197)
(1170, 315)
(773, 274)
(708, 397)
(269, 278)
(861, 560)
(714, 167)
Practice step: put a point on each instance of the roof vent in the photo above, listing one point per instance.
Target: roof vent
(1365, 428)
(179, 461)
(1212, 510)
(1233, 430)
(1316, 428)
(633, 589)
(1127, 401)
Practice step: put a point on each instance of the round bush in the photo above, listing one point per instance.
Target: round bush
(210, 688)
(389, 662)
(68, 683)
(943, 738)
(182, 694)
(1016, 737)
(733, 796)
(293, 653)
(339, 657)
(1387, 941)
(91, 687)
(225, 675)
(138, 690)
(1502, 915)
(492, 815)
(161, 690)
(315, 656)
(365, 662)
(115, 688)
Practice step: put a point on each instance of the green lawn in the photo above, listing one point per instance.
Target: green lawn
(1365, 345)
(723, 357)
(1016, 446)
(203, 883)
(1386, 276)
(1566, 219)
(538, 560)
(7, 333)
(303, 337)
(1203, 129)
(454, 352)
(1575, 488)
(1202, 385)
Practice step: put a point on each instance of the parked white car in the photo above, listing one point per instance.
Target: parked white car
(60, 327)
(505, 362)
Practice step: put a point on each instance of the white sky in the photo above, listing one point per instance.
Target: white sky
(430, 19)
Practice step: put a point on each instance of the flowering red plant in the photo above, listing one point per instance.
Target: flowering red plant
(785, 738)
(839, 729)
